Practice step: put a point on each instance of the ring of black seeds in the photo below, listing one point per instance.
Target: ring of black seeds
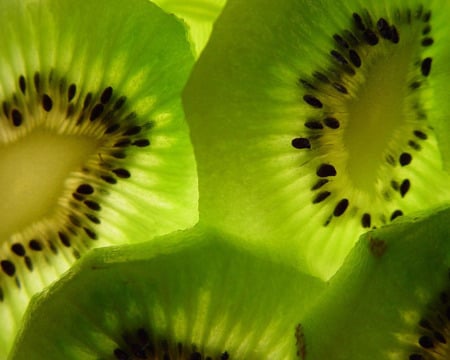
(346, 59)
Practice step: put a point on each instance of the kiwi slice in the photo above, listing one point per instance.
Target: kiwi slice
(187, 295)
(93, 141)
(312, 122)
(391, 298)
(199, 15)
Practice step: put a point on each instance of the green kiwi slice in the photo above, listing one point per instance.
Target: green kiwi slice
(94, 148)
(188, 295)
(199, 15)
(391, 298)
(313, 122)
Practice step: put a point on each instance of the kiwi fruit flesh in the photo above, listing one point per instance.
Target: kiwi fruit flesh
(390, 299)
(199, 16)
(314, 122)
(187, 295)
(94, 148)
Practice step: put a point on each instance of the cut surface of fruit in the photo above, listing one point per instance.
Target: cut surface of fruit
(187, 295)
(391, 298)
(94, 147)
(199, 15)
(314, 122)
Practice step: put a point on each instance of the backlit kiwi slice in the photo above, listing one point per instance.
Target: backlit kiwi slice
(199, 16)
(312, 121)
(188, 295)
(391, 298)
(93, 143)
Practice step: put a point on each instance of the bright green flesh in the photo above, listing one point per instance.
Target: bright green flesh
(192, 287)
(374, 303)
(199, 16)
(245, 106)
(143, 54)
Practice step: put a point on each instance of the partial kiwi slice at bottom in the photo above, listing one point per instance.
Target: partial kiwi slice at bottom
(93, 142)
(187, 295)
(324, 115)
(391, 298)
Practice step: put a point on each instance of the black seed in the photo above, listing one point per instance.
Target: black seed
(395, 37)
(358, 22)
(313, 125)
(404, 187)
(321, 197)
(415, 85)
(301, 143)
(351, 38)
(133, 131)
(365, 220)
(339, 57)
(421, 135)
(340, 208)
(395, 185)
(439, 337)
(52, 247)
(64, 239)
(384, 29)
(414, 145)
(96, 111)
(319, 184)
(77, 196)
(70, 110)
(35, 245)
(106, 95)
(426, 30)
(427, 41)
(141, 143)
(321, 77)
(74, 220)
(396, 214)
(112, 128)
(340, 41)
(425, 324)
(8, 267)
(120, 102)
(93, 218)
(370, 37)
(341, 88)
(326, 170)
(87, 101)
(224, 356)
(354, 58)
(427, 16)
(2, 296)
(426, 342)
(22, 84)
(416, 357)
(419, 11)
(119, 155)
(131, 116)
(405, 159)
(331, 122)
(90, 233)
(313, 101)
(85, 189)
(390, 160)
(47, 102)
(122, 143)
(18, 249)
(425, 67)
(120, 354)
(122, 173)
(306, 84)
(71, 92)
(37, 81)
(92, 205)
(28, 263)
(108, 179)
(5, 107)
(16, 117)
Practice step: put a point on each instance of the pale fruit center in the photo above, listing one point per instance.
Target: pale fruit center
(33, 171)
(375, 114)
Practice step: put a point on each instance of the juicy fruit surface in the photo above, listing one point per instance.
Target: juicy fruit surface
(322, 118)
(390, 299)
(94, 149)
(191, 288)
